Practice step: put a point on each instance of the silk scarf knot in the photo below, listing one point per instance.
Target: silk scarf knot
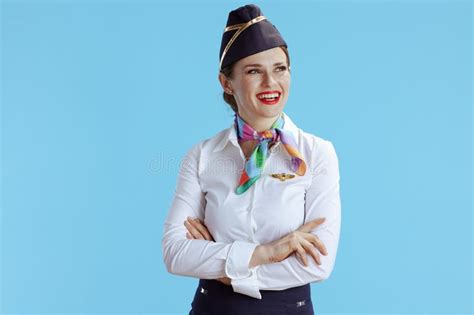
(255, 163)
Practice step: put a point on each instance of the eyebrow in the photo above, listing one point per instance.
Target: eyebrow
(259, 65)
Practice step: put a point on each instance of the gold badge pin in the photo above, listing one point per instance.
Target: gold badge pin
(283, 176)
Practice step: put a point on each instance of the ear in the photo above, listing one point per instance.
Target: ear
(225, 83)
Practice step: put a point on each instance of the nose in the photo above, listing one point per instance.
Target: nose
(268, 80)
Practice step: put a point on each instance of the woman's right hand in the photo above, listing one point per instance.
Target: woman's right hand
(301, 242)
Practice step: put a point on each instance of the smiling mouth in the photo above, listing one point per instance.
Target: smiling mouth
(269, 98)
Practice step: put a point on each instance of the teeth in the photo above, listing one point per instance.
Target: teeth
(273, 95)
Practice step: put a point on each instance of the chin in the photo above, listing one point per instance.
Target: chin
(271, 110)
(267, 114)
(265, 111)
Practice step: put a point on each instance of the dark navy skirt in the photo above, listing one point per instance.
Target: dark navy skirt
(214, 297)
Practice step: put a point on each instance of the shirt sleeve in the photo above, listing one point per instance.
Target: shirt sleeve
(322, 200)
(201, 258)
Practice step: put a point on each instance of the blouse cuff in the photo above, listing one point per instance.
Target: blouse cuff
(248, 286)
(243, 278)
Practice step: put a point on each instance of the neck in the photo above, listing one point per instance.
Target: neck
(260, 124)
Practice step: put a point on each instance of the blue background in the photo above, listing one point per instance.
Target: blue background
(101, 99)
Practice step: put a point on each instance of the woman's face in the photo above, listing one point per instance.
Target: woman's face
(256, 76)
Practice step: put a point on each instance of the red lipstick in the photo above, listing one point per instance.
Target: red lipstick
(269, 101)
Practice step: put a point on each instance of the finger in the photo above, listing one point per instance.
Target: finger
(201, 228)
(313, 239)
(197, 224)
(189, 236)
(298, 258)
(302, 254)
(208, 234)
(309, 226)
(310, 250)
(194, 232)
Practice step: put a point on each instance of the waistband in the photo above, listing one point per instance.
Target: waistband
(221, 288)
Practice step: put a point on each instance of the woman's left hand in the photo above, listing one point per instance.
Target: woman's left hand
(197, 230)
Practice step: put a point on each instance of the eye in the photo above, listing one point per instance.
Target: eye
(252, 71)
(282, 68)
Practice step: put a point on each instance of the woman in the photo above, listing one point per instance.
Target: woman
(256, 213)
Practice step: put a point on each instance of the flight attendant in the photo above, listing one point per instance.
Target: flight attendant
(256, 213)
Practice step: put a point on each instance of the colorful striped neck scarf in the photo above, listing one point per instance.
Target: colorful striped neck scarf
(255, 163)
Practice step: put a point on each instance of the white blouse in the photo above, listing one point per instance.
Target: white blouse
(267, 211)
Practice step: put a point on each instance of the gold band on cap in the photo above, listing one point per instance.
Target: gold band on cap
(240, 28)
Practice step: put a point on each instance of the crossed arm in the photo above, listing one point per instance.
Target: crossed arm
(229, 262)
